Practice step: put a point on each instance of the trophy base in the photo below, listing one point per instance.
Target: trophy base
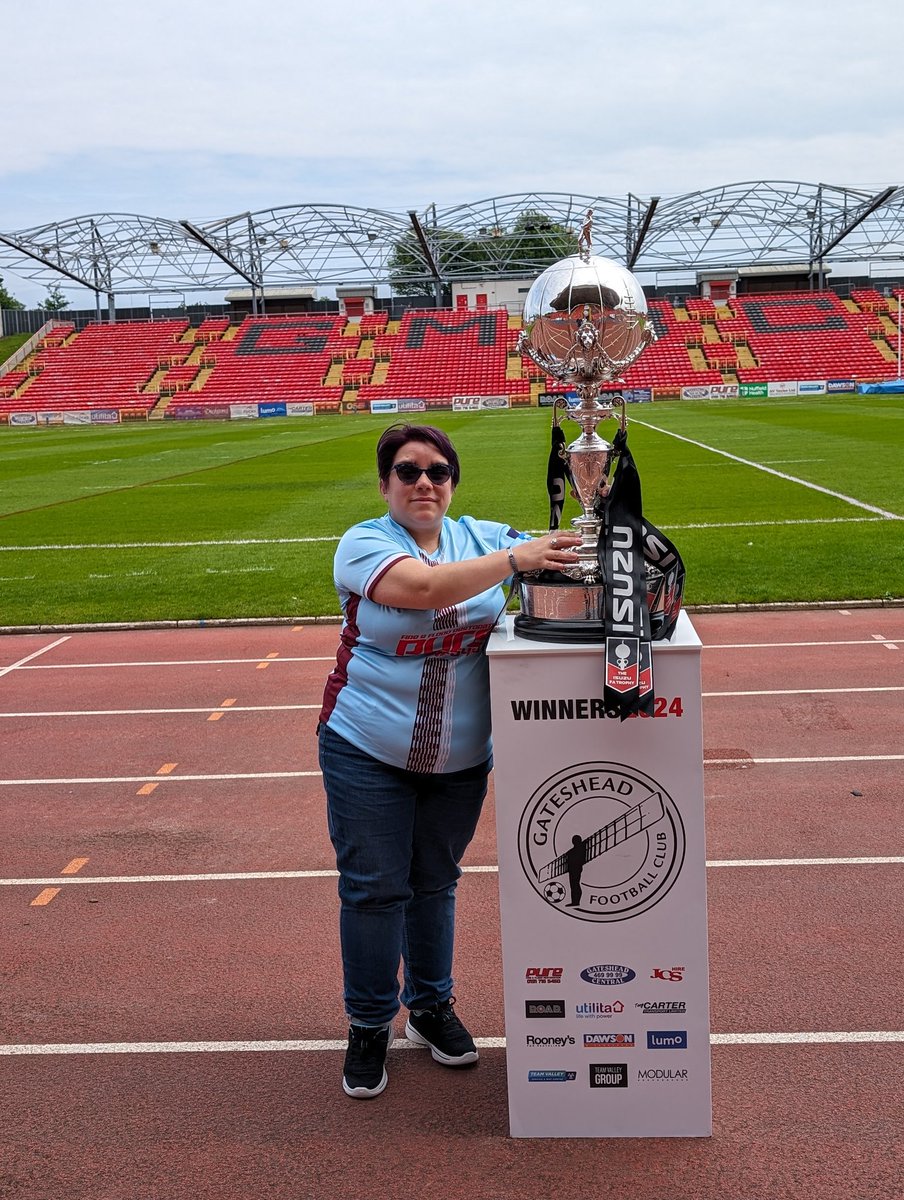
(555, 608)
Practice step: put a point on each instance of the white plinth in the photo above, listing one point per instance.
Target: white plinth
(606, 968)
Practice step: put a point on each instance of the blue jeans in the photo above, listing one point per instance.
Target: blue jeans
(399, 837)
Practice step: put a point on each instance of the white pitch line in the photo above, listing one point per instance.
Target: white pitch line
(310, 1045)
(890, 516)
(326, 873)
(20, 665)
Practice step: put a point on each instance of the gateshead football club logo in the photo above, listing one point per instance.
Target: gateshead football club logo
(601, 841)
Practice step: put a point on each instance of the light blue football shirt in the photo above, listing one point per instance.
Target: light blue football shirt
(411, 686)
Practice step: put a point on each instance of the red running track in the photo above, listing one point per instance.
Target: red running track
(112, 770)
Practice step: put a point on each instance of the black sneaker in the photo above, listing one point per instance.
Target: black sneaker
(441, 1030)
(364, 1075)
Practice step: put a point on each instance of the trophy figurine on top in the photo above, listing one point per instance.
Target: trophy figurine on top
(585, 323)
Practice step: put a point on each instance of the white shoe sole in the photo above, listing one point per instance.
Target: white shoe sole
(365, 1093)
(463, 1060)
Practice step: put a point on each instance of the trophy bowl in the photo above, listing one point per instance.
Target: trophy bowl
(585, 322)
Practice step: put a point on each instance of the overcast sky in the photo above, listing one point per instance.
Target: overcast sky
(196, 108)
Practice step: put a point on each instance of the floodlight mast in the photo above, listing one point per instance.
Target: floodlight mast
(212, 246)
(428, 255)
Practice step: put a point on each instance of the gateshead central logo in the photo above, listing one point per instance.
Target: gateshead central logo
(601, 841)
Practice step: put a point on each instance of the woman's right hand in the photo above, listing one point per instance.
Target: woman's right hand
(552, 552)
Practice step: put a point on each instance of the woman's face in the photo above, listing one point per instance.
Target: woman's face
(420, 506)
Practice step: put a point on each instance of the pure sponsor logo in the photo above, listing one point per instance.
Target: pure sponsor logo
(573, 821)
(658, 1075)
(607, 974)
(453, 643)
(544, 974)
(532, 1041)
(471, 403)
(551, 1076)
(544, 1008)
(666, 1039)
(596, 1008)
(662, 1008)
(598, 1041)
(723, 390)
(670, 974)
(608, 1075)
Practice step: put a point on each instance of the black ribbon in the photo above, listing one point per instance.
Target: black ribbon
(628, 682)
(556, 475)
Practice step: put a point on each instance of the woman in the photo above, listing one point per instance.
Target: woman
(405, 741)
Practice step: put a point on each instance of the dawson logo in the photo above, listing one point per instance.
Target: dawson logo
(666, 1039)
(544, 1008)
(608, 1075)
(671, 974)
(573, 822)
(657, 1075)
(594, 1041)
(594, 1008)
(530, 1040)
(544, 974)
(662, 1008)
(551, 1076)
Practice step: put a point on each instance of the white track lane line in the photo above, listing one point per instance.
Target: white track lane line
(890, 516)
(252, 876)
(250, 775)
(152, 712)
(20, 665)
(488, 1043)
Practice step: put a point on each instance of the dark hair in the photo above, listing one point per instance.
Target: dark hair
(397, 435)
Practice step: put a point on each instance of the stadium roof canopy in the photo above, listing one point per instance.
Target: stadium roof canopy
(736, 225)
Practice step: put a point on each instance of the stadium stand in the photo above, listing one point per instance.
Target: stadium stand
(159, 368)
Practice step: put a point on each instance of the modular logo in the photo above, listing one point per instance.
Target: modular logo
(544, 1008)
(607, 974)
(658, 1075)
(667, 1039)
(551, 1076)
(608, 1075)
(597, 1041)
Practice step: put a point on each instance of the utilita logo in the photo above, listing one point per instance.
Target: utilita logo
(671, 974)
(544, 974)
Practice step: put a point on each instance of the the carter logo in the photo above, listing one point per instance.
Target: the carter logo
(572, 822)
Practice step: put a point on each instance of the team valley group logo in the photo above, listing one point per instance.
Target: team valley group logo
(601, 841)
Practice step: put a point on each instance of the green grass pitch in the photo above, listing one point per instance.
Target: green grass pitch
(187, 521)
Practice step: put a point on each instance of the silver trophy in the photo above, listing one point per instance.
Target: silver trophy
(585, 323)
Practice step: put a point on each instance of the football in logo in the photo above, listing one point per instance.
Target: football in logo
(601, 841)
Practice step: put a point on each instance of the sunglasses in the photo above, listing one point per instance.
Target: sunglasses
(409, 473)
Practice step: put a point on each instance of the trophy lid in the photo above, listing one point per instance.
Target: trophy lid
(585, 319)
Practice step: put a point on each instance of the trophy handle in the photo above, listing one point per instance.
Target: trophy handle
(560, 407)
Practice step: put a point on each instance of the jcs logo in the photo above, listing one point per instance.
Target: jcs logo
(672, 974)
